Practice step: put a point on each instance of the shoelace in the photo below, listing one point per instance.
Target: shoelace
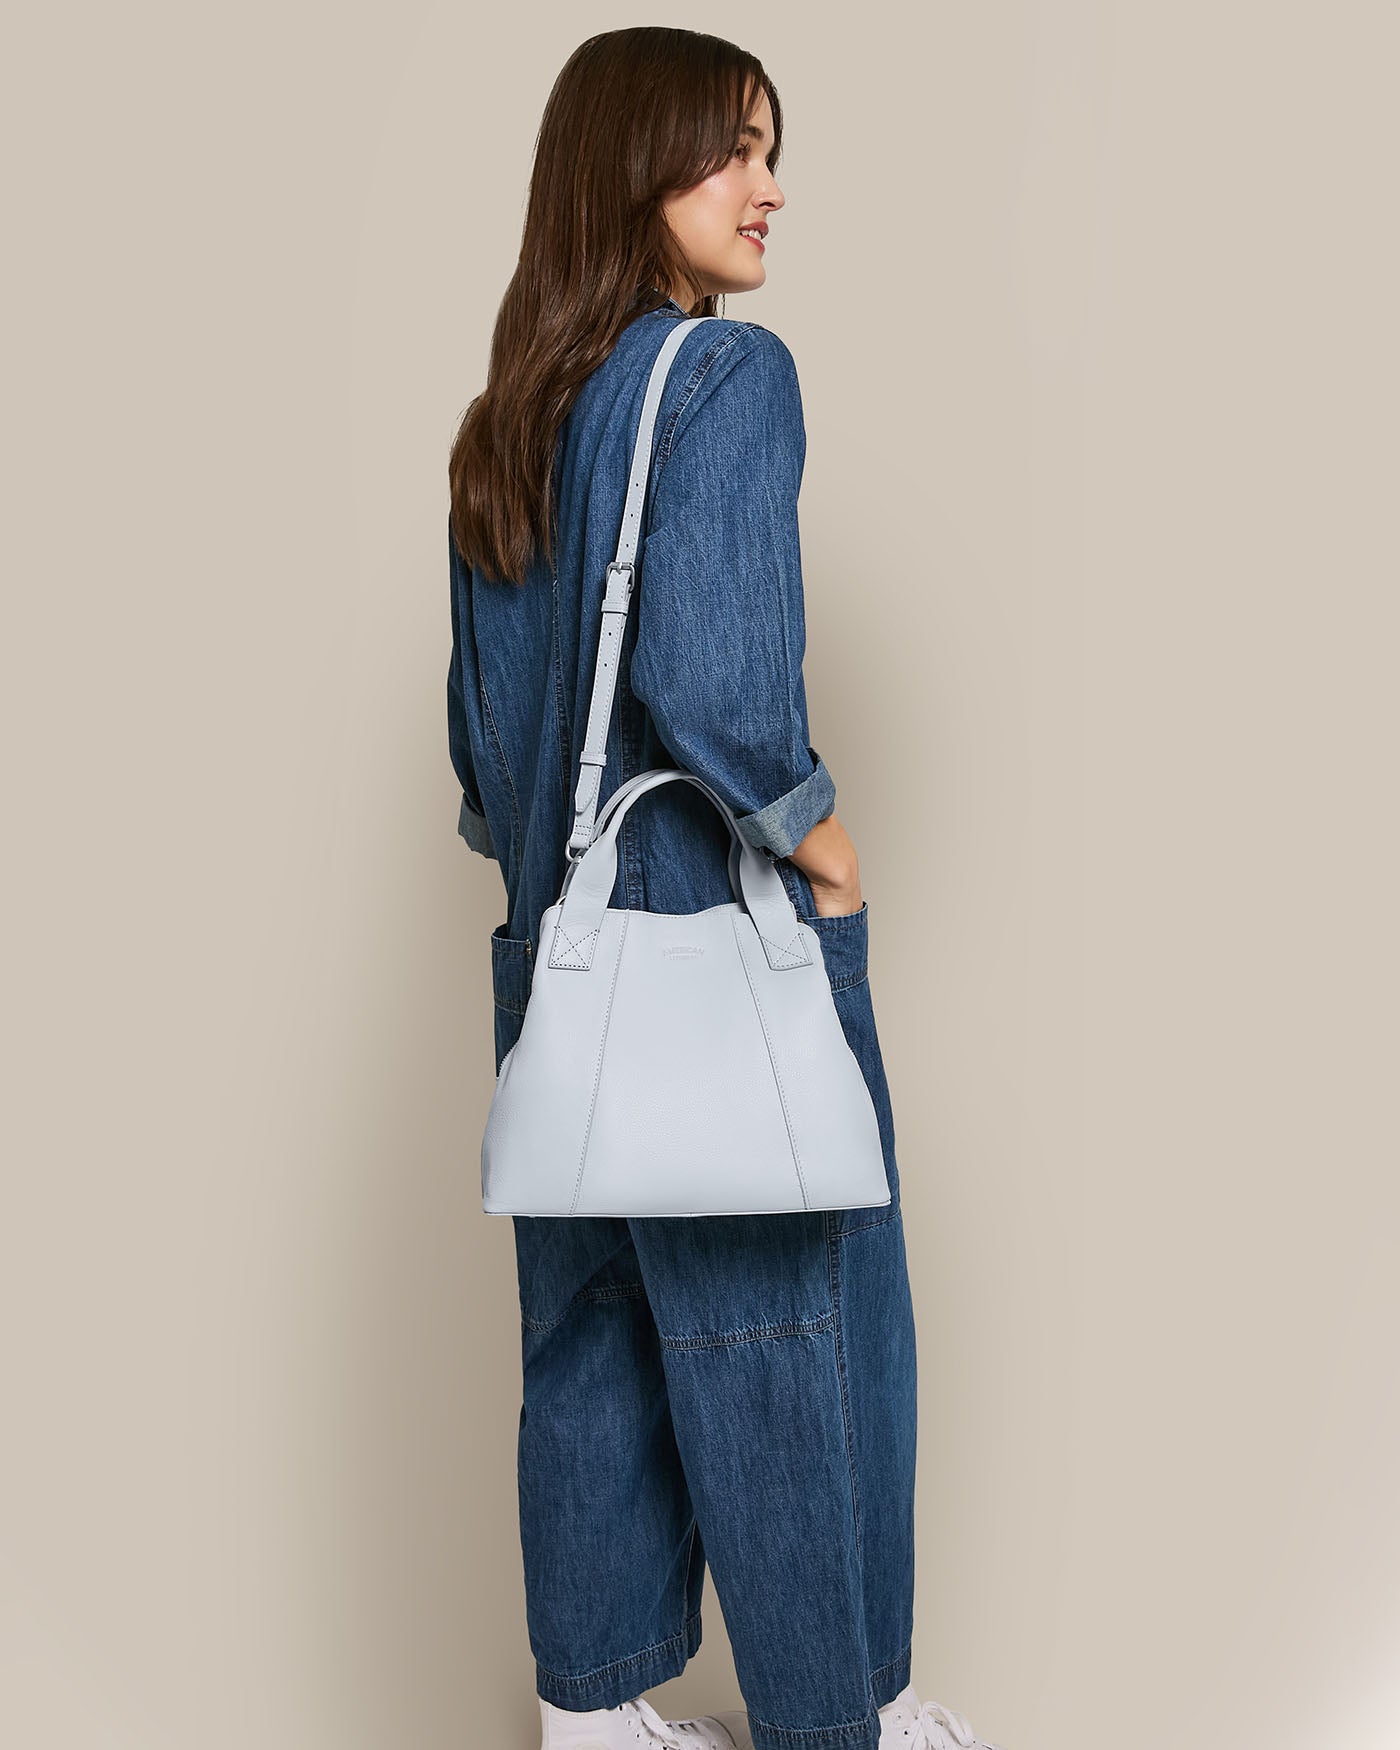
(942, 1728)
(684, 1735)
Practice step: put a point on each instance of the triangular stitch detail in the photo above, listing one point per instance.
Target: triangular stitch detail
(571, 955)
(793, 954)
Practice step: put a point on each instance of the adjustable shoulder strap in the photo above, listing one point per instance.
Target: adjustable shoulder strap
(617, 598)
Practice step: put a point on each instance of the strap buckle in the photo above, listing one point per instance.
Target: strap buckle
(619, 586)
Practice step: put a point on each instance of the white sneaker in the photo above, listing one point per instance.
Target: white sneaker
(906, 1725)
(636, 1725)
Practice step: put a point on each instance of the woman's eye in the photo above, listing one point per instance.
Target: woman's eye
(743, 148)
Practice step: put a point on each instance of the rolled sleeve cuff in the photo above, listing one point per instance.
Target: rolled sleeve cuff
(473, 828)
(781, 826)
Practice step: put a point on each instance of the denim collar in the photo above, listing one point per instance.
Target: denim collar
(672, 307)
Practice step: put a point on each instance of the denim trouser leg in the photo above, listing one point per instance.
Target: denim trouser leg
(730, 1391)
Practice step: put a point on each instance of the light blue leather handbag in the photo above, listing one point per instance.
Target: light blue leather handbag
(673, 1063)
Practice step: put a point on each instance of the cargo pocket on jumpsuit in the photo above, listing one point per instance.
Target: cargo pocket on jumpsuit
(512, 966)
(845, 944)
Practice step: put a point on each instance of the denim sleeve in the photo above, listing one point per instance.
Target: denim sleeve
(721, 627)
(471, 817)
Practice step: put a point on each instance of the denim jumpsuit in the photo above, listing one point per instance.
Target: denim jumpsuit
(730, 1390)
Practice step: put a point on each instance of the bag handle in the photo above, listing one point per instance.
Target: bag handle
(589, 880)
(617, 598)
(737, 843)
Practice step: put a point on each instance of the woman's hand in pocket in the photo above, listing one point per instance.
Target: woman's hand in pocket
(833, 902)
(828, 859)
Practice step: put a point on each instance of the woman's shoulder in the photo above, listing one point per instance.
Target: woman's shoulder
(715, 346)
(725, 362)
(731, 342)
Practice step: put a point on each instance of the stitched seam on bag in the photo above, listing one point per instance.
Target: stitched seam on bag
(772, 1059)
(575, 947)
(795, 956)
(598, 1067)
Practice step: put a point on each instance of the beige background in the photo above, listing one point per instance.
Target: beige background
(1094, 310)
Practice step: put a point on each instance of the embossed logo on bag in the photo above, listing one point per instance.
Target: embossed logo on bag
(682, 950)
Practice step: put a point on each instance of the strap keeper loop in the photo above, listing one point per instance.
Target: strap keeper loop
(619, 587)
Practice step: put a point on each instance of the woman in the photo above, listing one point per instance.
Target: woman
(730, 1390)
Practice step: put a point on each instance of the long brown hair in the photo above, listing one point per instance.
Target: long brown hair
(635, 116)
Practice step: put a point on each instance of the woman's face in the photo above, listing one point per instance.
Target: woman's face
(710, 219)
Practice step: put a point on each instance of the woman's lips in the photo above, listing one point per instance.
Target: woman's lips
(756, 241)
